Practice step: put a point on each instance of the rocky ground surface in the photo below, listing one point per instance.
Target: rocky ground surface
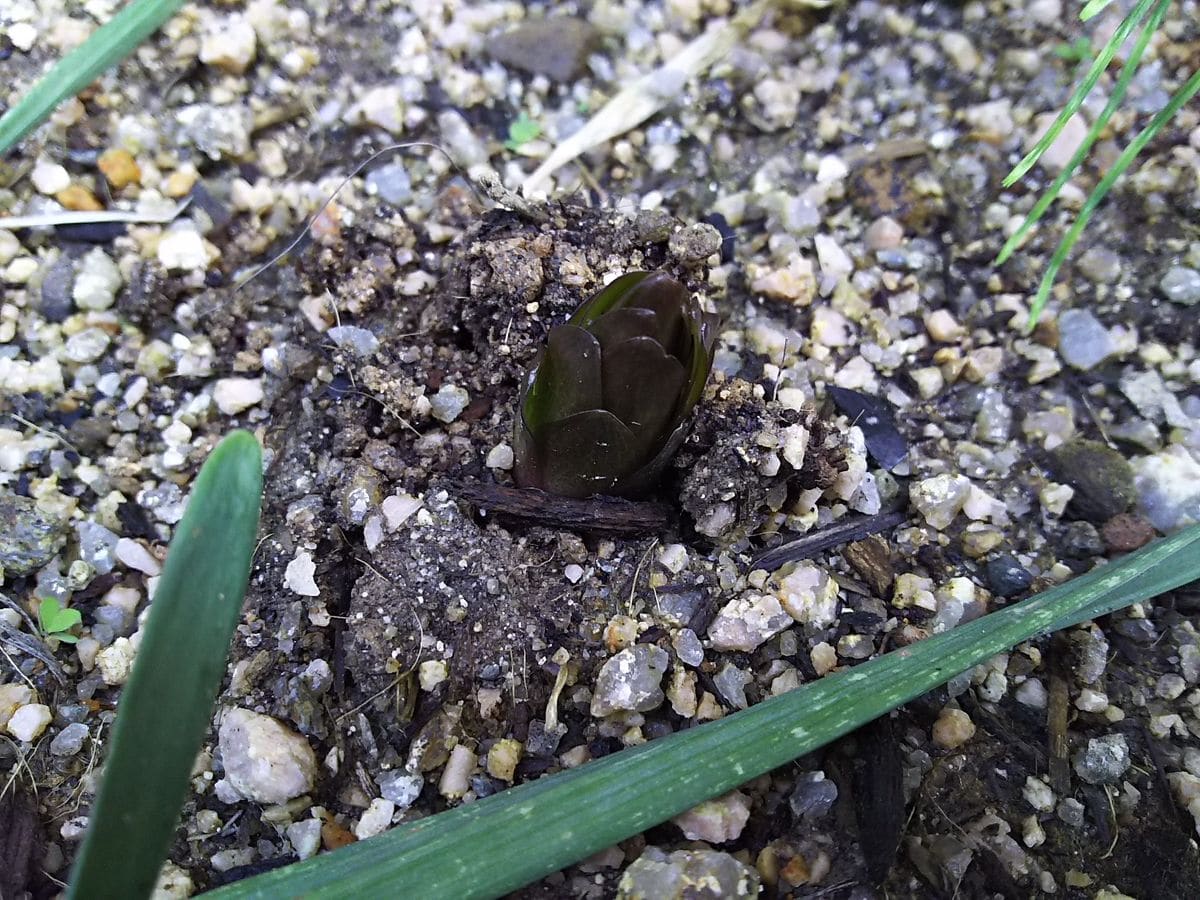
(833, 189)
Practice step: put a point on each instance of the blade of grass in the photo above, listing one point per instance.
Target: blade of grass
(502, 842)
(1099, 64)
(166, 706)
(111, 43)
(1182, 96)
(1114, 101)
(1093, 9)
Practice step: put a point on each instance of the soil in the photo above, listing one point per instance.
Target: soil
(442, 619)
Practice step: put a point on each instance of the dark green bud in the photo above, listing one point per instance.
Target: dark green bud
(604, 407)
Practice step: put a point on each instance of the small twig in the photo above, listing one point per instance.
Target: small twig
(1058, 710)
(611, 515)
(827, 538)
(131, 217)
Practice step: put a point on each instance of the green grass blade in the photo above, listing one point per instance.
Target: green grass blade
(1182, 96)
(1093, 9)
(1114, 101)
(110, 44)
(1099, 64)
(1119, 90)
(497, 844)
(166, 707)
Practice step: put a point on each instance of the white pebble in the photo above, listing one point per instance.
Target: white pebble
(455, 781)
(182, 250)
(233, 395)
(49, 177)
(230, 47)
(23, 35)
(397, 508)
(133, 555)
(376, 819)
(298, 576)
(500, 457)
(116, 661)
(29, 721)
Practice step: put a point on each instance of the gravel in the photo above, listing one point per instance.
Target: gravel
(837, 201)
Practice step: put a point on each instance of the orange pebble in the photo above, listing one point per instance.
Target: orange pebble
(78, 198)
(119, 167)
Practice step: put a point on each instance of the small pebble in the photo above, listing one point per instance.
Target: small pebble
(1006, 576)
(1038, 794)
(119, 167)
(716, 821)
(952, 729)
(70, 740)
(1181, 285)
(49, 177)
(375, 820)
(1126, 532)
(132, 554)
(235, 395)
(500, 457)
(1083, 340)
(1104, 759)
(265, 761)
(449, 402)
(631, 680)
(29, 721)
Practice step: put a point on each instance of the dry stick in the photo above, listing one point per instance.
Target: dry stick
(833, 536)
(608, 514)
(1058, 709)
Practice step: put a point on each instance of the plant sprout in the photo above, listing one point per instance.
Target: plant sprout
(603, 409)
(56, 620)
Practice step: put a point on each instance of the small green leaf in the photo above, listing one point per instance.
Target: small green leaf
(521, 131)
(56, 620)
(1078, 51)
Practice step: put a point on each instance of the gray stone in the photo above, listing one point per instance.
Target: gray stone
(1181, 285)
(400, 787)
(690, 874)
(97, 546)
(631, 680)
(70, 740)
(556, 47)
(29, 538)
(1102, 479)
(1071, 812)
(56, 303)
(264, 760)
(731, 684)
(357, 340)
(813, 796)
(1006, 576)
(1083, 340)
(1100, 265)
(1104, 759)
(391, 183)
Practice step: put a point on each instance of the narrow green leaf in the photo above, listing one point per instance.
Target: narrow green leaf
(1114, 101)
(166, 706)
(1103, 58)
(1182, 96)
(502, 842)
(1093, 9)
(109, 44)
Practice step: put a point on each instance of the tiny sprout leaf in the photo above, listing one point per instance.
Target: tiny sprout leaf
(604, 407)
(521, 131)
(56, 620)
